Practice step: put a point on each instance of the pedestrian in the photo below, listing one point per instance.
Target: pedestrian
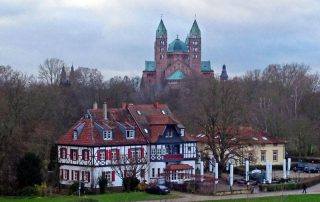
(304, 188)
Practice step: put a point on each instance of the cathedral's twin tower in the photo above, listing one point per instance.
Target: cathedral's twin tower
(174, 62)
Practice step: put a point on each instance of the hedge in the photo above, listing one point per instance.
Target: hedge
(290, 186)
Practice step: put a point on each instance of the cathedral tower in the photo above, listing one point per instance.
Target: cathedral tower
(160, 51)
(194, 45)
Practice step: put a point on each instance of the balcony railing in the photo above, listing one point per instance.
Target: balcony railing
(172, 156)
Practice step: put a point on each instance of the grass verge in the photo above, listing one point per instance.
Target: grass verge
(110, 197)
(289, 198)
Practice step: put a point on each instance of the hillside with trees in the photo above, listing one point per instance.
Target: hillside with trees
(35, 110)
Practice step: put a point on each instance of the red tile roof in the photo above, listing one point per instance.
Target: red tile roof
(149, 123)
(178, 167)
(247, 135)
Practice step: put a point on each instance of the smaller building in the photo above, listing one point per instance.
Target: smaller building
(255, 145)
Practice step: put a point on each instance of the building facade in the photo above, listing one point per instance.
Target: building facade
(175, 61)
(252, 144)
(145, 141)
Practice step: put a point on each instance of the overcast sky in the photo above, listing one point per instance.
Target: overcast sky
(117, 36)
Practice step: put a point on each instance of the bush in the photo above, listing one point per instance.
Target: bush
(42, 189)
(75, 187)
(192, 187)
(142, 186)
(103, 182)
(290, 186)
(130, 183)
(29, 170)
(27, 191)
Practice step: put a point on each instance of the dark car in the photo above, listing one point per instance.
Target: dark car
(311, 169)
(158, 189)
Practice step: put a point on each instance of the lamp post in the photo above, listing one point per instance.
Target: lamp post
(79, 188)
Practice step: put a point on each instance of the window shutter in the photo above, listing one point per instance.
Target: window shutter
(61, 153)
(78, 175)
(129, 153)
(98, 155)
(118, 153)
(67, 174)
(110, 154)
(82, 175)
(107, 155)
(76, 154)
(113, 176)
(83, 154)
(88, 174)
(103, 173)
(61, 174)
(72, 174)
(71, 154)
(142, 152)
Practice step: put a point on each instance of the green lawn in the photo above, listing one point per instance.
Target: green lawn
(290, 198)
(117, 197)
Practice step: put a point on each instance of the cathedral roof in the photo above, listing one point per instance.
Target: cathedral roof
(206, 66)
(150, 66)
(195, 31)
(177, 46)
(161, 30)
(177, 75)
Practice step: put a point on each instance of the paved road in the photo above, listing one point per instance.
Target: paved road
(194, 197)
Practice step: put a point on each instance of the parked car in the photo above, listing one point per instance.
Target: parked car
(158, 189)
(311, 168)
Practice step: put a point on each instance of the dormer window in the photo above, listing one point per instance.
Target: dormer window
(107, 134)
(182, 131)
(169, 133)
(129, 134)
(75, 135)
(146, 130)
(138, 112)
(163, 112)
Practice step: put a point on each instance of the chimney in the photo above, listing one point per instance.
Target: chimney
(156, 104)
(124, 105)
(95, 105)
(105, 116)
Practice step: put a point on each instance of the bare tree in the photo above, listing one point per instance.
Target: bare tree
(50, 71)
(130, 165)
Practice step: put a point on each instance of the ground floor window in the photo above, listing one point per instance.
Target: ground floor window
(85, 176)
(275, 155)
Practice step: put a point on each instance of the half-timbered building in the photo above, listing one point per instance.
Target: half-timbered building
(141, 140)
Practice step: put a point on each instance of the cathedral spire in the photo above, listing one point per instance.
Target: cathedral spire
(161, 30)
(224, 74)
(195, 31)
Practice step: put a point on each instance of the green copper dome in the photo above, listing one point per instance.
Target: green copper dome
(161, 30)
(177, 46)
(195, 31)
(177, 75)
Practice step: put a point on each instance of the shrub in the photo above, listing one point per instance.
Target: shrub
(290, 186)
(27, 191)
(29, 170)
(191, 186)
(142, 186)
(130, 183)
(42, 189)
(103, 183)
(75, 187)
